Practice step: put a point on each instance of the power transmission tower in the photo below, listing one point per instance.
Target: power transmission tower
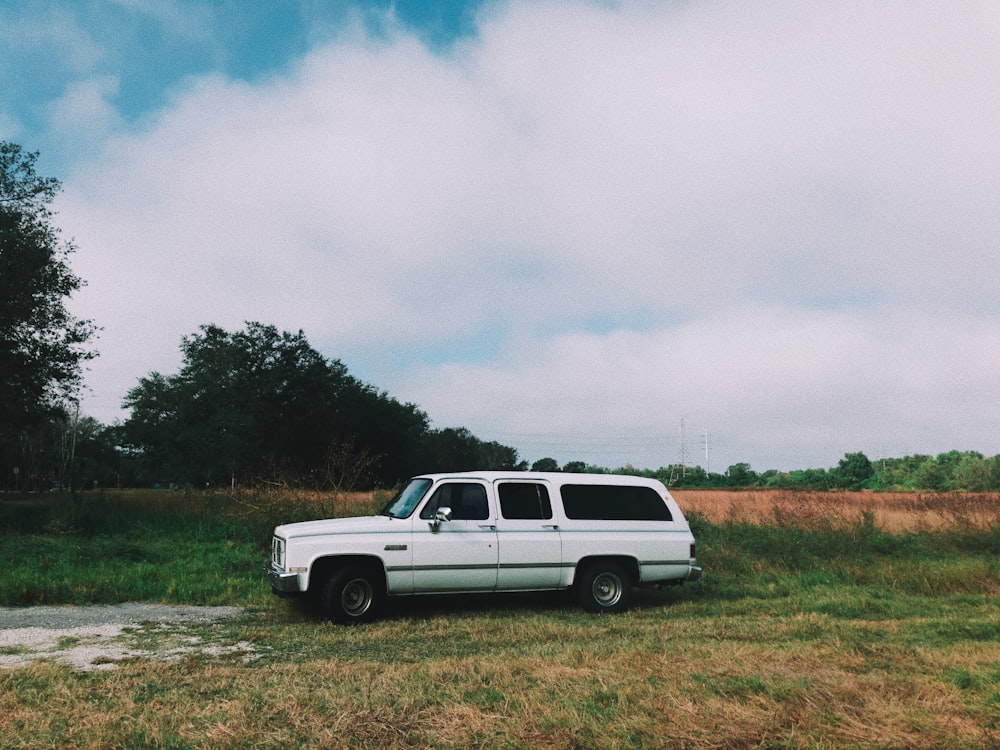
(683, 449)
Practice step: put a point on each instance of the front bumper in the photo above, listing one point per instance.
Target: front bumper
(282, 582)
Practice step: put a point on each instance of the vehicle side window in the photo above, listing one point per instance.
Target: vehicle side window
(610, 502)
(467, 502)
(522, 500)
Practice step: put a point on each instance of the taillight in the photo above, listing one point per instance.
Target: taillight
(692, 551)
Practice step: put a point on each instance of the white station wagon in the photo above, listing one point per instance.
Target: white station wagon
(597, 534)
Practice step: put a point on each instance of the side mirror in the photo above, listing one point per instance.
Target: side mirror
(441, 514)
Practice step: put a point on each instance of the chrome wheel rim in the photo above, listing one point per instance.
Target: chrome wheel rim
(356, 597)
(607, 589)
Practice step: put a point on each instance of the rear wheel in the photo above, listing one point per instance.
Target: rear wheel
(604, 587)
(352, 595)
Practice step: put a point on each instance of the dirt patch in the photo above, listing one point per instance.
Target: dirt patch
(101, 636)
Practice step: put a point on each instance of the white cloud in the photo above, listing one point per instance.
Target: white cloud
(778, 222)
(84, 115)
(772, 386)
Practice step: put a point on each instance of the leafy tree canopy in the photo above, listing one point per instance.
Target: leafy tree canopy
(545, 464)
(262, 405)
(42, 346)
(853, 470)
(457, 449)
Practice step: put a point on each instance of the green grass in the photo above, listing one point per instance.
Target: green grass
(796, 637)
(105, 549)
(211, 548)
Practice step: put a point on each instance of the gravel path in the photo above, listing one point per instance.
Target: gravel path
(98, 636)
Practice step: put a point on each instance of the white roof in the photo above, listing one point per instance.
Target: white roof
(552, 477)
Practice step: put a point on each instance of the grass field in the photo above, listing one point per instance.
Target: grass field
(895, 512)
(823, 621)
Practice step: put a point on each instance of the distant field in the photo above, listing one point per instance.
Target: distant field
(894, 512)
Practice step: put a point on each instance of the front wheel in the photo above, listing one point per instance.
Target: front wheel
(352, 595)
(604, 587)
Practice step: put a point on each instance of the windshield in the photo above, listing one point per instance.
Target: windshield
(402, 505)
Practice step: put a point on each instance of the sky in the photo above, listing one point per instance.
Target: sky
(624, 233)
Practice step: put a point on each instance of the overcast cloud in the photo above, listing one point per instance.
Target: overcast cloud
(574, 229)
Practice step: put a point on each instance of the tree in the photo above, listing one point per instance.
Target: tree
(262, 405)
(975, 473)
(741, 475)
(42, 346)
(494, 456)
(932, 475)
(457, 449)
(246, 406)
(853, 470)
(96, 457)
(545, 464)
(690, 476)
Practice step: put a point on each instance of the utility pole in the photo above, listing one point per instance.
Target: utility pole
(72, 446)
(683, 450)
(706, 453)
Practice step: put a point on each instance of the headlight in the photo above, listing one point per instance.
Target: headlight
(278, 552)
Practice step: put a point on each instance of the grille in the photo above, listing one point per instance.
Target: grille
(278, 551)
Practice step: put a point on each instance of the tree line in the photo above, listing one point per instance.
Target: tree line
(250, 408)
(954, 471)
(260, 406)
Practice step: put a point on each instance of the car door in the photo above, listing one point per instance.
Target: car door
(528, 536)
(458, 554)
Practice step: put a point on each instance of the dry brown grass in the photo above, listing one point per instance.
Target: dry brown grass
(342, 503)
(894, 512)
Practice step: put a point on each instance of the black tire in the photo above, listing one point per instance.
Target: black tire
(352, 595)
(604, 587)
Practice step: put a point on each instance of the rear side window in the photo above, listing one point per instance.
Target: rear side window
(522, 500)
(612, 502)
